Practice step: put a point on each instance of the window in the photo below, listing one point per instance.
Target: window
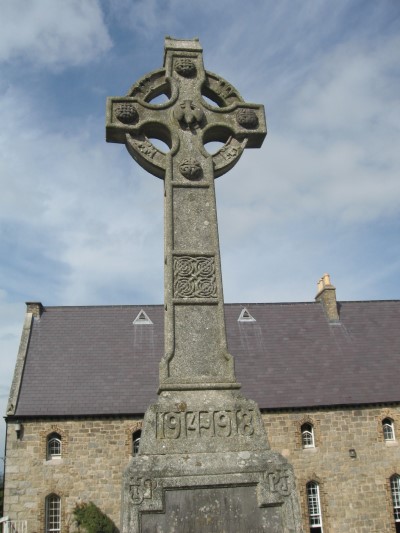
(53, 514)
(53, 446)
(136, 441)
(314, 507)
(395, 488)
(307, 435)
(388, 429)
(245, 316)
(142, 318)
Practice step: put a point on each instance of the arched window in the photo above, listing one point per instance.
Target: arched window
(388, 429)
(53, 514)
(395, 488)
(314, 507)
(53, 446)
(307, 435)
(136, 441)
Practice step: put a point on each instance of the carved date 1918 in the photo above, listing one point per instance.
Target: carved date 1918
(175, 424)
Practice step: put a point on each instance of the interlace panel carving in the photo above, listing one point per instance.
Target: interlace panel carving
(194, 277)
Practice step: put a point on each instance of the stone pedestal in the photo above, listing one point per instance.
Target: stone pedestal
(205, 466)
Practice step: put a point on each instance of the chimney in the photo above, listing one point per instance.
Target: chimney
(327, 295)
(36, 308)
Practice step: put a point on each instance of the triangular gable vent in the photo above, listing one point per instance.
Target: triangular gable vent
(142, 318)
(245, 316)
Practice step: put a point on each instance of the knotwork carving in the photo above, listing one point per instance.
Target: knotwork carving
(126, 113)
(194, 277)
(190, 168)
(247, 118)
(185, 67)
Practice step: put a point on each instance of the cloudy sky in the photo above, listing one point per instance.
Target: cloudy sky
(82, 224)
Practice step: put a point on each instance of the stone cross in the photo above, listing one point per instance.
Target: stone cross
(196, 355)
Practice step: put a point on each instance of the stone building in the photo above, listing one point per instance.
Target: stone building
(325, 375)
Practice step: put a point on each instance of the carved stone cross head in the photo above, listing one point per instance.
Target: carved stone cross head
(186, 121)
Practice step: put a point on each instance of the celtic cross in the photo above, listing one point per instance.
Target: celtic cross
(196, 355)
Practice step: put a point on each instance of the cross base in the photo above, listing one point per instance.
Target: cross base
(205, 465)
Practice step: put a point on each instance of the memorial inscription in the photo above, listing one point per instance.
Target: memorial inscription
(198, 424)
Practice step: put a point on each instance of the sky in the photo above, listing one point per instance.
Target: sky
(82, 224)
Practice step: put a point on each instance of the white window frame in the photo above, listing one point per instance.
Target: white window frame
(395, 490)
(388, 429)
(53, 514)
(136, 441)
(54, 441)
(314, 505)
(307, 435)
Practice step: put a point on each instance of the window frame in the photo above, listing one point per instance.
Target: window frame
(388, 429)
(136, 436)
(395, 494)
(314, 506)
(307, 433)
(53, 438)
(53, 513)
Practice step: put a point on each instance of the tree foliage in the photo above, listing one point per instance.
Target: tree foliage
(92, 519)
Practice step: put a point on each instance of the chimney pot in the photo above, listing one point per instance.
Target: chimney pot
(326, 279)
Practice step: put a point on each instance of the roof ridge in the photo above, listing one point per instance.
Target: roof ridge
(241, 303)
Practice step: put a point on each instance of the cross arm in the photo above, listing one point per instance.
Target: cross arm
(128, 115)
(241, 120)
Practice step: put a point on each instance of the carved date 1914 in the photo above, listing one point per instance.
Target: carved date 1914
(175, 425)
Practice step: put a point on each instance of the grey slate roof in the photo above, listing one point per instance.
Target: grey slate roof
(94, 361)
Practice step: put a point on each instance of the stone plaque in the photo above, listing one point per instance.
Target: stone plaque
(214, 510)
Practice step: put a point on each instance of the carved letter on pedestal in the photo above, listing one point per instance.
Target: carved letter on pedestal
(140, 489)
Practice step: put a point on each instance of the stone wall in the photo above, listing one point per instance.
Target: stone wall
(355, 492)
(94, 456)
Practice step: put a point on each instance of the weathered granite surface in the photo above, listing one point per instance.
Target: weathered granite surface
(204, 462)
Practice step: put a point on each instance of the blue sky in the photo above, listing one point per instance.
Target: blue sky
(82, 224)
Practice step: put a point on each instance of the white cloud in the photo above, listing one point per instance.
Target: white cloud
(331, 150)
(145, 16)
(85, 206)
(52, 34)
